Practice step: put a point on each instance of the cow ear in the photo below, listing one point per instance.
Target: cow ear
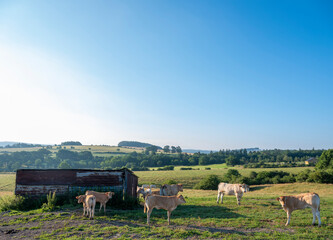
(278, 199)
(77, 197)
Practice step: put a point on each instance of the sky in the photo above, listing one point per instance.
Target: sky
(210, 75)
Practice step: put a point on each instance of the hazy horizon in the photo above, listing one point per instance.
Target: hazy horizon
(196, 74)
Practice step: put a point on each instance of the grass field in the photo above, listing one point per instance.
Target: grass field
(191, 177)
(7, 183)
(259, 217)
(96, 150)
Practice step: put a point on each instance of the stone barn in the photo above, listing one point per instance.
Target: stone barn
(38, 182)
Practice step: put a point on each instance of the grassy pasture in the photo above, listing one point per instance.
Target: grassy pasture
(7, 183)
(259, 217)
(191, 177)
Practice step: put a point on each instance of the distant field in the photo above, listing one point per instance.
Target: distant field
(7, 183)
(191, 177)
(102, 151)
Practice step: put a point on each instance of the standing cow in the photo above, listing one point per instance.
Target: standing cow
(231, 189)
(301, 201)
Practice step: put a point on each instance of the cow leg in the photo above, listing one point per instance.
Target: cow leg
(222, 197)
(288, 218)
(218, 197)
(318, 216)
(314, 216)
(100, 206)
(104, 207)
(238, 199)
(169, 213)
(84, 210)
(148, 216)
(93, 210)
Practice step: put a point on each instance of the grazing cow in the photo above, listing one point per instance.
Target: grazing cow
(171, 190)
(89, 203)
(231, 189)
(101, 197)
(301, 201)
(168, 203)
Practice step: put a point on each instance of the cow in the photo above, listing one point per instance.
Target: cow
(168, 203)
(301, 201)
(89, 203)
(231, 189)
(101, 197)
(170, 190)
(144, 192)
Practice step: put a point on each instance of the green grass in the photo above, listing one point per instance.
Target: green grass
(7, 183)
(189, 178)
(259, 216)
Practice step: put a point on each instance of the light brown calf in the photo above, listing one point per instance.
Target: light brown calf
(301, 201)
(168, 203)
(89, 203)
(101, 197)
(171, 190)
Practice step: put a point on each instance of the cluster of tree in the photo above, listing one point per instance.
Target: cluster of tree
(136, 144)
(172, 149)
(71, 143)
(21, 145)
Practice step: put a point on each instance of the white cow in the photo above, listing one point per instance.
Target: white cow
(231, 189)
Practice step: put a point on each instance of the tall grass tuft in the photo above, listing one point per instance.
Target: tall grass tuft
(51, 202)
(11, 203)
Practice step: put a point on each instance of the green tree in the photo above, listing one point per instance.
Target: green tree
(173, 149)
(325, 160)
(178, 149)
(166, 149)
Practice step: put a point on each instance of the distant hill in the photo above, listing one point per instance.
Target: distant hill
(19, 145)
(208, 151)
(197, 150)
(3, 144)
(135, 144)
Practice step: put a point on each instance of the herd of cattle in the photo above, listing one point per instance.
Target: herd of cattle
(166, 198)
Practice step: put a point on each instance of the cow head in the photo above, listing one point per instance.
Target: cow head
(244, 187)
(81, 198)
(180, 187)
(110, 194)
(282, 201)
(181, 199)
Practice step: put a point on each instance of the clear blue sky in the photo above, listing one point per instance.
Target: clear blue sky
(198, 74)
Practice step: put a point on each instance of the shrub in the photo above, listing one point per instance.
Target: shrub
(11, 203)
(186, 168)
(303, 176)
(166, 168)
(208, 183)
(321, 176)
(170, 182)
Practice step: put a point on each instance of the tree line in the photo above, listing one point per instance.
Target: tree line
(43, 158)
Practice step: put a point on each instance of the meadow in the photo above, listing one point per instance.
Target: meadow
(189, 178)
(259, 216)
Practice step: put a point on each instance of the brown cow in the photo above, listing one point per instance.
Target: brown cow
(301, 201)
(101, 197)
(89, 203)
(168, 203)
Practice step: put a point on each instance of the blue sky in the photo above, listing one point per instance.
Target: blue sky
(198, 74)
